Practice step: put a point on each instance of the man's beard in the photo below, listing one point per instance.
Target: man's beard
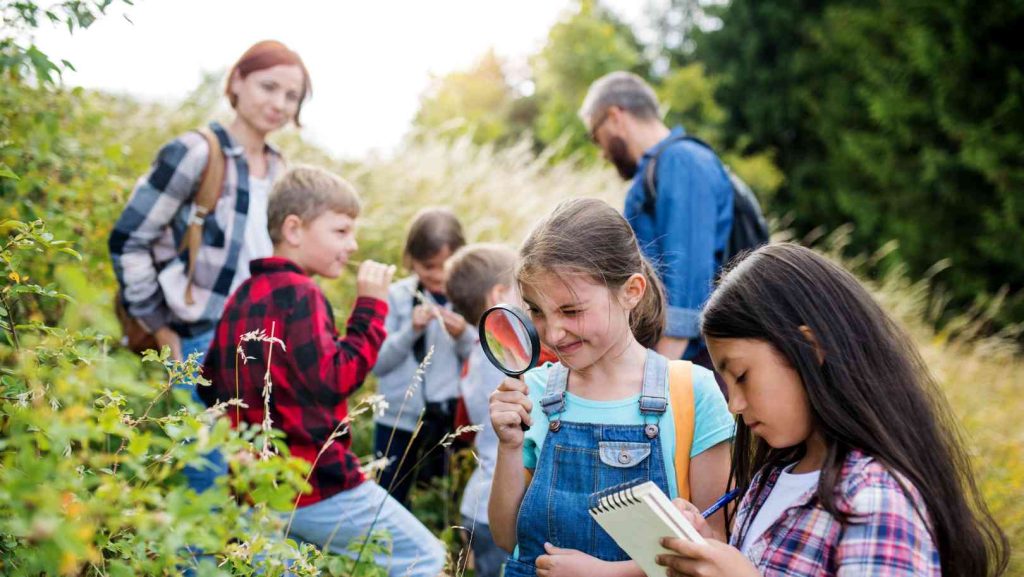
(619, 156)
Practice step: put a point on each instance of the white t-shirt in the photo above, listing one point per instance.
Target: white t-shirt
(256, 243)
(787, 490)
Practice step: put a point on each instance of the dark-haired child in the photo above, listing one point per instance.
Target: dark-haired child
(843, 443)
(420, 322)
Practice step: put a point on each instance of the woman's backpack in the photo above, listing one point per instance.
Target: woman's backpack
(134, 336)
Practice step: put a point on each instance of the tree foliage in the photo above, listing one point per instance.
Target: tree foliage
(588, 43)
(905, 119)
(478, 101)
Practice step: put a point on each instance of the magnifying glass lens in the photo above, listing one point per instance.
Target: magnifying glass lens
(509, 340)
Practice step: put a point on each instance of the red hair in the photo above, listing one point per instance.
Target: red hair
(268, 54)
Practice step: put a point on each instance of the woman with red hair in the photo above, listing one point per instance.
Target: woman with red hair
(176, 296)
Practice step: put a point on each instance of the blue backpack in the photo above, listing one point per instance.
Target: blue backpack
(749, 228)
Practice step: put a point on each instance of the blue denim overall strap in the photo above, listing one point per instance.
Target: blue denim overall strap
(578, 459)
(653, 396)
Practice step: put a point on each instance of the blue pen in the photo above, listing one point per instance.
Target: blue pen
(721, 502)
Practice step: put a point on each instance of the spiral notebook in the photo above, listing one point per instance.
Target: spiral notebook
(637, 516)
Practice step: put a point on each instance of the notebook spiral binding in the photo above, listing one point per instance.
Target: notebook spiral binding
(615, 497)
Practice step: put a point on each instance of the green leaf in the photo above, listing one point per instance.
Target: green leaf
(7, 173)
(336, 565)
(8, 225)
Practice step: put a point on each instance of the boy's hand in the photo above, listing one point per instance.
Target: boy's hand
(373, 279)
(453, 322)
(421, 317)
(510, 407)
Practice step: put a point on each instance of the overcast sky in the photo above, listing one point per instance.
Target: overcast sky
(369, 61)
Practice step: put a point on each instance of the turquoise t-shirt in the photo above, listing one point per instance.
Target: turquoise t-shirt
(712, 421)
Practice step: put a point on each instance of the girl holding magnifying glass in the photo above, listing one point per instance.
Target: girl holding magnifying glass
(605, 413)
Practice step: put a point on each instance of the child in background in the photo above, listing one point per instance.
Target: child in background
(611, 410)
(845, 444)
(311, 219)
(420, 321)
(480, 276)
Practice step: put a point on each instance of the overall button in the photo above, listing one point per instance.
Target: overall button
(651, 431)
(624, 458)
(553, 426)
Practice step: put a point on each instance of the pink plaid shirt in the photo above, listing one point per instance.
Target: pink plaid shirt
(887, 537)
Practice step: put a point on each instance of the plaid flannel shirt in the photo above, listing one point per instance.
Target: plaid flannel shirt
(150, 270)
(887, 538)
(312, 375)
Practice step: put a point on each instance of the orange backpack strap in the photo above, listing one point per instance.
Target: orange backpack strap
(210, 184)
(680, 390)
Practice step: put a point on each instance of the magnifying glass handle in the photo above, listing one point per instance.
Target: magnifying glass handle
(522, 424)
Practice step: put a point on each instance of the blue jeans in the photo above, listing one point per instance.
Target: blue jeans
(341, 522)
(202, 477)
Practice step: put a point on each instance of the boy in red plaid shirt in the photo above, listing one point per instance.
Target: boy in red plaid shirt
(311, 219)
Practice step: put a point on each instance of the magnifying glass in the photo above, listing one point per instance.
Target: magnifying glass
(509, 340)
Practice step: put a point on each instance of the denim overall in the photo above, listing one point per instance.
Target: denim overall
(578, 459)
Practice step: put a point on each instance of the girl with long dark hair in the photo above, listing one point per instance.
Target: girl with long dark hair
(850, 457)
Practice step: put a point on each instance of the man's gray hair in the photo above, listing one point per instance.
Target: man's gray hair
(624, 90)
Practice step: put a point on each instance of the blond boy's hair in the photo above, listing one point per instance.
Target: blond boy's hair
(306, 192)
(472, 272)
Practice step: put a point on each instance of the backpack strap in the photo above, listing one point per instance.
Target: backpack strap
(210, 184)
(680, 390)
(651, 174)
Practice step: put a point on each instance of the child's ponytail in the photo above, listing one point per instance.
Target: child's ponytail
(647, 320)
(587, 236)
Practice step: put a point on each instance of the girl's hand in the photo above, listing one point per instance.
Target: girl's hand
(421, 316)
(692, 514)
(510, 407)
(715, 559)
(570, 563)
(373, 279)
(453, 322)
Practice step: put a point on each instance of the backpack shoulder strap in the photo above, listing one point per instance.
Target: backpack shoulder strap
(651, 174)
(213, 174)
(680, 389)
(210, 184)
